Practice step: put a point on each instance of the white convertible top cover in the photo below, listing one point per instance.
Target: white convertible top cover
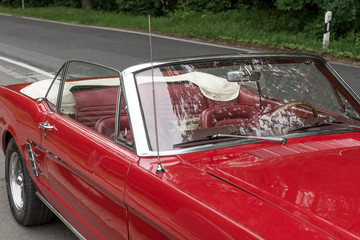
(38, 90)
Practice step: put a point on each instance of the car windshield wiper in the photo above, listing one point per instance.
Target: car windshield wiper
(326, 123)
(317, 124)
(220, 136)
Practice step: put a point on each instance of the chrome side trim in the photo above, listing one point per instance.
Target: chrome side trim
(33, 162)
(60, 216)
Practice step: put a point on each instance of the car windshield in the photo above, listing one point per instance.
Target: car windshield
(257, 97)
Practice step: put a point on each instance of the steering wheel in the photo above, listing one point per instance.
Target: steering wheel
(290, 105)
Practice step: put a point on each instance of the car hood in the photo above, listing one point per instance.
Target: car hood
(315, 179)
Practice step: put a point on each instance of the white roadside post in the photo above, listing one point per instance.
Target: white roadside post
(326, 39)
(23, 4)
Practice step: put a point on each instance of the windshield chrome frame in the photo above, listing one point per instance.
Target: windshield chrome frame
(141, 140)
(343, 83)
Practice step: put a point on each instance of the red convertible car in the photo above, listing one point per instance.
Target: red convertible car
(250, 146)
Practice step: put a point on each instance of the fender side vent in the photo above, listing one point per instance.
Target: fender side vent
(33, 162)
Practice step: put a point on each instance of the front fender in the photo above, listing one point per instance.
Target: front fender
(19, 118)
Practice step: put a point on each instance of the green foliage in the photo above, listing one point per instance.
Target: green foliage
(63, 3)
(357, 40)
(291, 5)
(106, 5)
(145, 7)
(40, 3)
(346, 14)
(11, 3)
(345, 17)
(205, 5)
(258, 4)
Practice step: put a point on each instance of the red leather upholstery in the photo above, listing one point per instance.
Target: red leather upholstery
(106, 125)
(95, 104)
(186, 101)
(96, 108)
(217, 116)
(246, 96)
(212, 103)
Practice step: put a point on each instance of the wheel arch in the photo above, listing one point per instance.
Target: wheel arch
(7, 136)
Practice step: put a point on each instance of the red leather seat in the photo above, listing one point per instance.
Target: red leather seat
(238, 115)
(106, 126)
(95, 104)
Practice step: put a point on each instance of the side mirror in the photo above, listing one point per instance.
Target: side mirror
(244, 75)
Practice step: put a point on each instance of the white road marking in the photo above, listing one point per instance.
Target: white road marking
(24, 65)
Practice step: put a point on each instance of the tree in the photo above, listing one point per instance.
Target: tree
(86, 4)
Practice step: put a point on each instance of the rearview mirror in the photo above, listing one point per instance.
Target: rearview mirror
(243, 75)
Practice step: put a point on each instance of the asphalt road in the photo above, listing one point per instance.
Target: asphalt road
(46, 45)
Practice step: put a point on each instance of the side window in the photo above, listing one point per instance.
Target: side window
(125, 133)
(90, 95)
(53, 92)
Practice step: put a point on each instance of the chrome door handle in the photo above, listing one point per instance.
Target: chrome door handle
(44, 126)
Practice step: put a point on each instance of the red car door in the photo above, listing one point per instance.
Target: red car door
(86, 170)
(87, 175)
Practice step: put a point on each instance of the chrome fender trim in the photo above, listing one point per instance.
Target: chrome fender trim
(33, 162)
(60, 216)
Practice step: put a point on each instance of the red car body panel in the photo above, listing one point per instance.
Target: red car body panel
(305, 177)
(208, 201)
